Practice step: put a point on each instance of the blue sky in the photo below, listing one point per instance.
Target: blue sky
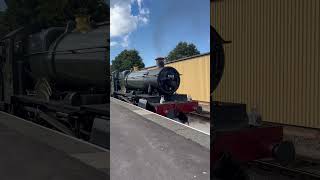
(154, 27)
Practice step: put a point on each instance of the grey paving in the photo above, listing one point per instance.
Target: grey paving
(24, 154)
(47, 136)
(187, 132)
(144, 150)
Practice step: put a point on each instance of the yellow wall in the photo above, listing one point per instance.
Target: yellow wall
(195, 77)
(273, 61)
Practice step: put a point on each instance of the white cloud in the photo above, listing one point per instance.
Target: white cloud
(123, 22)
(113, 43)
(139, 3)
(144, 11)
(125, 41)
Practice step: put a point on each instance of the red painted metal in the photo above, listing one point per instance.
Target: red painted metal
(246, 144)
(184, 107)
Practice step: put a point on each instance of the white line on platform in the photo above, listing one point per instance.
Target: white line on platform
(142, 112)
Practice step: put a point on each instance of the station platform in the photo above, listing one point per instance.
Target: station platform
(32, 152)
(142, 147)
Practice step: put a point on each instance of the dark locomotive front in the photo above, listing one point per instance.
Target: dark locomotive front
(233, 141)
(155, 90)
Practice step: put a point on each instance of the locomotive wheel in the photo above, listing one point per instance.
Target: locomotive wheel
(178, 116)
(171, 114)
(284, 153)
(183, 118)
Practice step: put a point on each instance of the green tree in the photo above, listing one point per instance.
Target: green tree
(126, 60)
(183, 49)
(44, 13)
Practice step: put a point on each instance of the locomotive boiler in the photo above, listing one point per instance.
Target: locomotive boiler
(233, 141)
(164, 80)
(154, 90)
(57, 77)
(70, 59)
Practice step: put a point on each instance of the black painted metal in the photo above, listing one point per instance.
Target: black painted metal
(218, 59)
(70, 59)
(74, 64)
(229, 116)
(100, 134)
(284, 152)
(164, 80)
(100, 109)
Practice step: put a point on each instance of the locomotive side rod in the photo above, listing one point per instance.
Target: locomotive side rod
(53, 105)
(49, 120)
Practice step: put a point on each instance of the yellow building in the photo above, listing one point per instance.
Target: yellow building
(273, 61)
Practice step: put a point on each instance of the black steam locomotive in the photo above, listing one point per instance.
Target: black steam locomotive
(154, 90)
(57, 77)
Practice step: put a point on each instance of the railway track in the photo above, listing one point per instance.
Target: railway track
(301, 169)
(202, 116)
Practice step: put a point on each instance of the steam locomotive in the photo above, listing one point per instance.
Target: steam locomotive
(57, 77)
(233, 141)
(154, 90)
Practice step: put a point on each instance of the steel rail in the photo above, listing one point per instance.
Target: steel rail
(201, 116)
(293, 171)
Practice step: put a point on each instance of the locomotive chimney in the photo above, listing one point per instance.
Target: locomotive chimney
(160, 62)
(82, 21)
(135, 68)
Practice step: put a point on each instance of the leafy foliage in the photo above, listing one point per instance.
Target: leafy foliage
(182, 50)
(126, 60)
(44, 13)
